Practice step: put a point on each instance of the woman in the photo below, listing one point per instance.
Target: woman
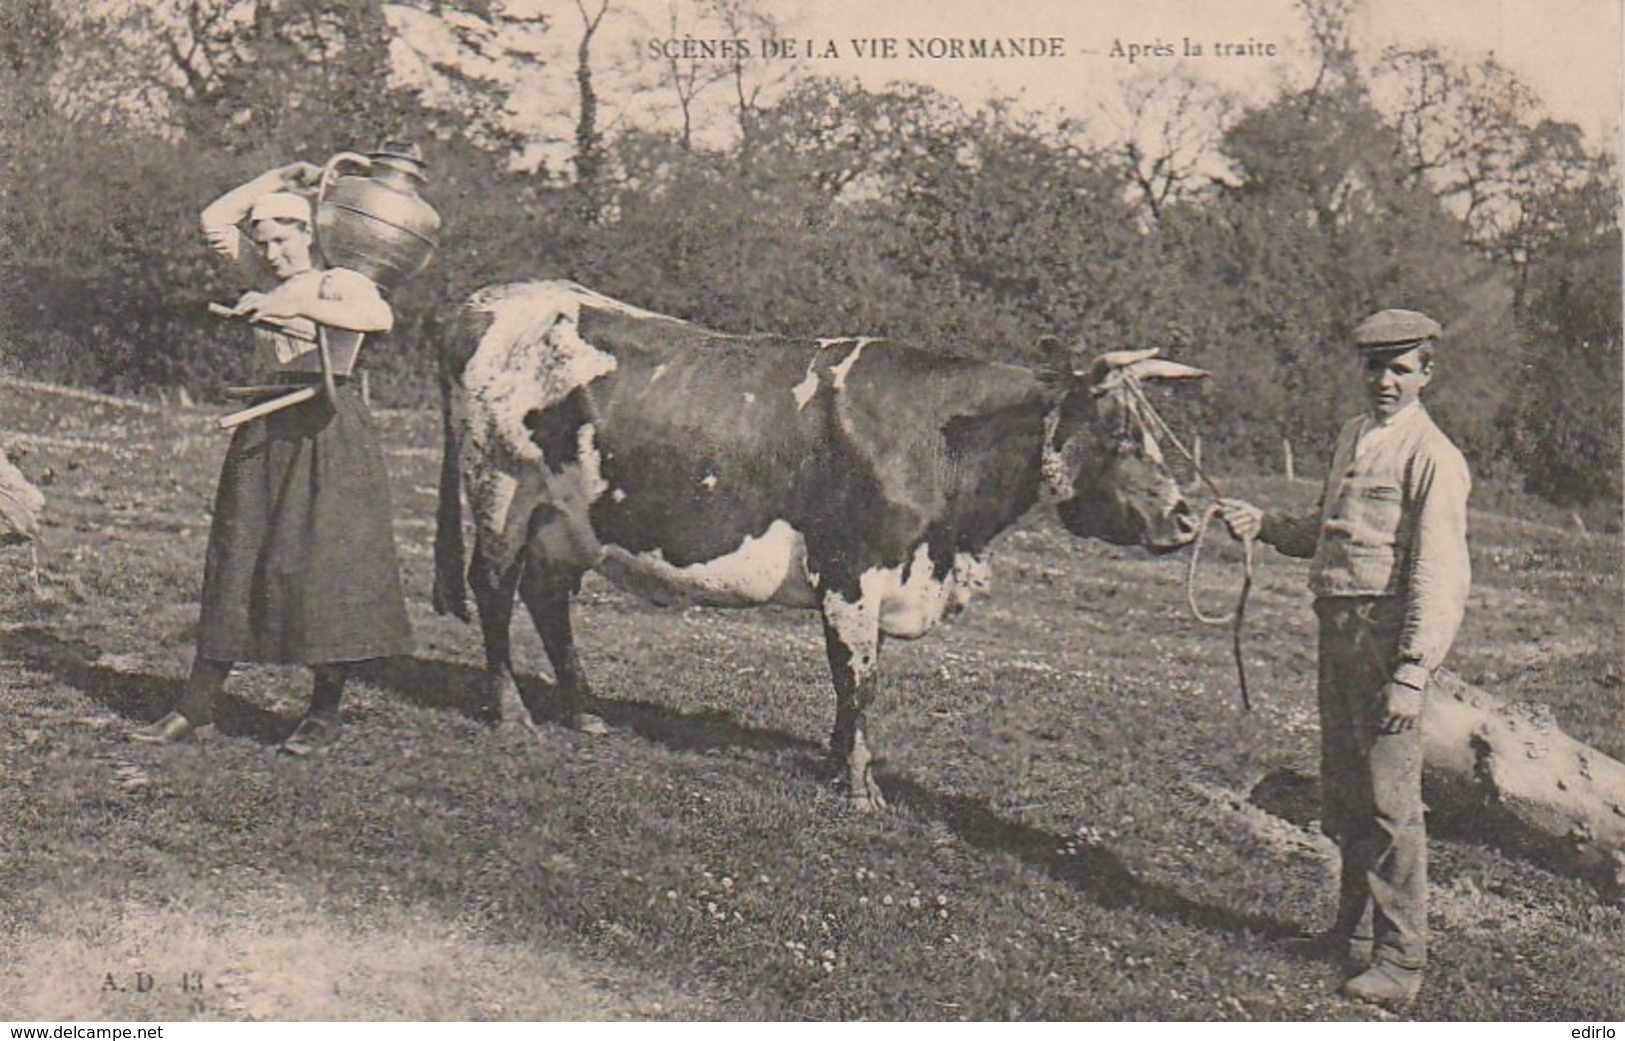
(301, 564)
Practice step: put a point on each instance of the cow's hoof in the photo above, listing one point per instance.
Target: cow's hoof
(867, 797)
(315, 735)
(867, 802)
(587, 723)
(517, 722)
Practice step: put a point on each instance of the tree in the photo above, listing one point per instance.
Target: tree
(749, 20)
(1170, 126)
(589, 139)
(1566, 410)
(144, 63)
(845, 136)
(477, 69)
(236, 73)
(1328, 226)
(31, 39)
(1553, 168)
(1328, 23)
(1464, 130)
(692, 68)
(687, 74)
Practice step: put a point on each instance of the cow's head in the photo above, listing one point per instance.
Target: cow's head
(1103, 466)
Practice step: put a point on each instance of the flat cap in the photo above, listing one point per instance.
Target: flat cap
(1394, 328)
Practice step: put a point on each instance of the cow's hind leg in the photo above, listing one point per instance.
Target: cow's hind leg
(547, 592)
(493, 595)
(852, 641)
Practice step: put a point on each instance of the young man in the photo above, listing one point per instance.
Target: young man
(1390, 575)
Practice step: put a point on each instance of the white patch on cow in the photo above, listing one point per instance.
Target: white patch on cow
(804, 391)
(1150, 447)
(1057, 485)
(592, 473)
(495, 498)
(530, 358)
(767, 569)
(505, 491)
(840, 369)
(618, 495)
(565, 534)
(857, 627)
(750, 398)
(490, 479)
(710, 481)
(910, 607)
(808, 387)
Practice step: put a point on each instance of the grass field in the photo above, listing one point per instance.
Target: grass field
(1071, 838)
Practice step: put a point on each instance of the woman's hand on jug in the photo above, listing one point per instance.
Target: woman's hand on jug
(300, 174)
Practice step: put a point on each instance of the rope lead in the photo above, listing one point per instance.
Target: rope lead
(1235, 619)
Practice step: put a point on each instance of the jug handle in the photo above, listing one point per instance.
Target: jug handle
(326, 182)
(332, 168)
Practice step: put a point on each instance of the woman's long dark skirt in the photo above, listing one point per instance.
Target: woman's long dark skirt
(301, 565)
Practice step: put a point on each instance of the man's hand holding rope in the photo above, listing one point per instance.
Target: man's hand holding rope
(1242, 518)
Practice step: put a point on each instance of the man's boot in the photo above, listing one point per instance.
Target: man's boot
(1385, 983)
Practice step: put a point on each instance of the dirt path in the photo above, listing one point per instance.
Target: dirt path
(275, 957)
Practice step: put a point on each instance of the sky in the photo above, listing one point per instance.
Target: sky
(1567, 51)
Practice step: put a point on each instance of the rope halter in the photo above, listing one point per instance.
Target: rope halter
(1145, 414)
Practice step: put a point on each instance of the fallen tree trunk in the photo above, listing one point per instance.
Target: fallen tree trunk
(20, 505)
(1504, 774)
(1508, 771)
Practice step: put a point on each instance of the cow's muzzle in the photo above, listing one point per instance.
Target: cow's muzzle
(1180, 530)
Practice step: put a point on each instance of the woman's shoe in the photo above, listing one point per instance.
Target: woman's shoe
(170, 729)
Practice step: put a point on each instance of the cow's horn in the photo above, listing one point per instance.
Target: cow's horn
(1163, 369)
(1113, 360)
(1120, 359)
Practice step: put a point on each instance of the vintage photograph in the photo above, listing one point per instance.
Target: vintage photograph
(654, 511)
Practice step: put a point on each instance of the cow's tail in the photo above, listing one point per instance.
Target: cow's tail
(450, 594)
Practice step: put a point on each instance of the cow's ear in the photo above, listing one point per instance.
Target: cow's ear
(1054, 361)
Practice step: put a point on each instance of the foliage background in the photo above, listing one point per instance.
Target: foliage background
(1402, 179)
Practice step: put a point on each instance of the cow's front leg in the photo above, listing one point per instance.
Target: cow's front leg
(493, 596)
(547, 591)
(852, 641)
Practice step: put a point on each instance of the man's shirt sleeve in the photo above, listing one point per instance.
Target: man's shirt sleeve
(1299, 536)
(1438, 572)
(1294, 536)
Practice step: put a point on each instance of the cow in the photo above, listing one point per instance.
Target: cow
(855, 477)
